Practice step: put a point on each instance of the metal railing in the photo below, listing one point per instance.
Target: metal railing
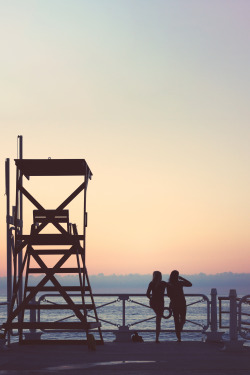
(244, 317)
(224, 312)
(123, 314)
(234, 314)
(119, 317)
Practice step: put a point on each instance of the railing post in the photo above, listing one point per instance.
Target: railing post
(214, 310)
(123, 334)
(233, 332)
(123, 312)
(33, 334)
(214, 335)
(233, 344)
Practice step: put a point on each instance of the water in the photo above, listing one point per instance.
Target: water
(137, 311)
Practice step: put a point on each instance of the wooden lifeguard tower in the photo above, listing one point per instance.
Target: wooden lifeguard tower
(36, 247)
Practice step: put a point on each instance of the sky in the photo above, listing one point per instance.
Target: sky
(154, 95)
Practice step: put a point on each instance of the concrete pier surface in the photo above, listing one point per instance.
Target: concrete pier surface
(168, 358)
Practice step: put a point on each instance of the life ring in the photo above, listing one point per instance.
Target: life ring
(170, 312)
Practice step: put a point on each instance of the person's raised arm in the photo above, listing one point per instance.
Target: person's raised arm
(185, 282)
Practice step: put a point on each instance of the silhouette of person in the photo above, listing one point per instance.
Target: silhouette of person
(157, 287)
(178, 301)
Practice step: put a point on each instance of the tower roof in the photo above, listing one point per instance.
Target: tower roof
(53, 167)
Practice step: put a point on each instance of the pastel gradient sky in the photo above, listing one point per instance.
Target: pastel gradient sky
(154, 94)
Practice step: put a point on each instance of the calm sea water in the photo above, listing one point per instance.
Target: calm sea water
(110, 312)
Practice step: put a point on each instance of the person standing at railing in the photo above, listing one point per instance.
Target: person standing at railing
(155, 293)
(178, 301)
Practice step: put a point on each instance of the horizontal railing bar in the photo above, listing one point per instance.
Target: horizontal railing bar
(52, 288)
(125, 294)
(153, 330)
(58, 306)
(48, 325)
(62, 342)
(142, 295)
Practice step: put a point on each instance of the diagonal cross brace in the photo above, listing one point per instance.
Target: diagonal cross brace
(49, 276)
(51, 273)
(40, 207)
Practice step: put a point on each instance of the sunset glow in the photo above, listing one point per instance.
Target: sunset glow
(154, 95)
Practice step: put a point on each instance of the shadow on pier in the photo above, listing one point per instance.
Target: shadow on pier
(171, 358)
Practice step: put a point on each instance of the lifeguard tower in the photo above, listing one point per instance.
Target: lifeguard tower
(28, 314)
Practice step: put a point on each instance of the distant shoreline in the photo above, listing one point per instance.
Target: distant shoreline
(136, 283)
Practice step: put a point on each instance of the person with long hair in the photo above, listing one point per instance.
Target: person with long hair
(178, 301)
(155, 293)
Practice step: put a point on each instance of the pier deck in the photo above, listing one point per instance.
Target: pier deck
(168, 358)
